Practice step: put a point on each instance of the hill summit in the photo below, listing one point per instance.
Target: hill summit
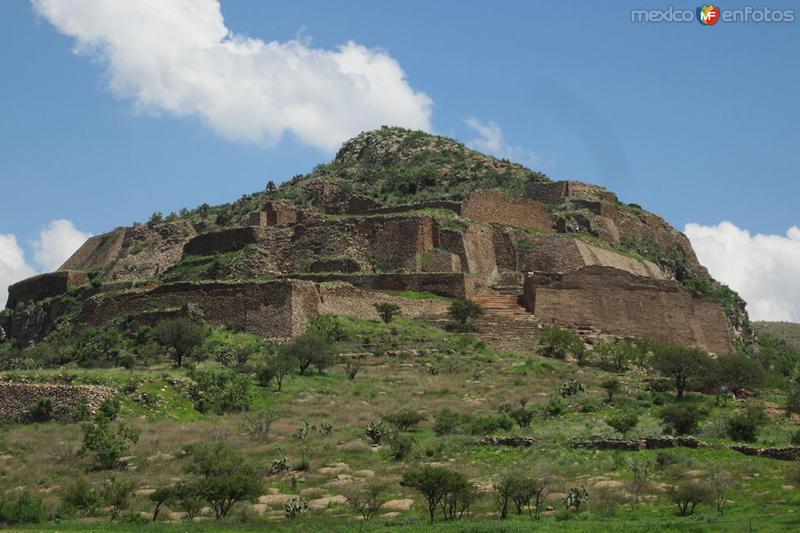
(396, 216)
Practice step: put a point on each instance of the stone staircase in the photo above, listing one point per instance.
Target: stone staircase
(497, 303)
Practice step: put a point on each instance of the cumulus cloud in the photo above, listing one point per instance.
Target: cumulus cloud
(491, 141)
(13, 266)
(762, 268)
(57, 241)
(179, 57)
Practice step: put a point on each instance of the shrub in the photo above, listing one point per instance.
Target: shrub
(482, 425)
(377, 432)
(560, 343)
(683, 365)
(611, 386)
(448, 422)
(387, 311)
(795, 439)
(310, 349)
(351, 370)
(744, 426)
(275, 369)
(571, 388)
(41, 411)
(81, 497)
(688, 494)
(26, 509)
(110, 408)
(188, 499)
(295, 508)
(793, 400)
(522, 416)
(225, 476)
(623, 422)
(258, 424)
(576, 497)
(462, 311)
(555, 407)
(366, 500)
(80, 412)
(736, 371)
(616, 356)
(400, 446)
(441, 487)
(220, 390)
(682, 418)
(404, 420)
(180, 335)
(116, 494)
(107, 445)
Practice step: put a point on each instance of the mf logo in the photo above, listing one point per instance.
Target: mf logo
(707, 15)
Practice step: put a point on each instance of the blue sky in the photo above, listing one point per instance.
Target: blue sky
(695, 123)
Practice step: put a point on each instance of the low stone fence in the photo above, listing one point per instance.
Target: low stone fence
(646, 443)
(16, 399)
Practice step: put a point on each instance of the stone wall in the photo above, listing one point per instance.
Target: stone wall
(475, 247)
(97, 253)
(492, 206)
(563, 253)
(346, 300)
(558, 192)
(226, 240)
(273, 309)
(280, 212)
(438, 260)
(44, 286)
(453, 285)
(17, 398)
(620, 303)
(396, 243)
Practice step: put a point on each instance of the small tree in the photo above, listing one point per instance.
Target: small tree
(462, 311)
(387, 311)
(107, 444)
(541, 481)
(80, 496)
(793, 400)
(404, 420)
(188, 499)
(310, 349)
(623, 422)
(504, 489)
(688, 494)
(642, 478)
(116, 494)
(271, 187)
(366, 501)
(720, 482)
(275, 369)
(683, 365)
(181, 335)
(438, 484)
(611, 386)
(225, 476)
(682, 418)
(737, 371)
(161, 496)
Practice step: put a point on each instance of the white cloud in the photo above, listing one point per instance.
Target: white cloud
(762, 268)
(56, 242)
(13, 266)
(179, 57)
(491, 141)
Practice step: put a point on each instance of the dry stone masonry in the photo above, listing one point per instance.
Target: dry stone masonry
(333, 242)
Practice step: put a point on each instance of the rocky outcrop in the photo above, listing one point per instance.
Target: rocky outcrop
(507, 440)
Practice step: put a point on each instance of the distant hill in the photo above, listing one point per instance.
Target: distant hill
(788, 332)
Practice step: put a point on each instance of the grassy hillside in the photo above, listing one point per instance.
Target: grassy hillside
(406, 365)
(788, 332)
